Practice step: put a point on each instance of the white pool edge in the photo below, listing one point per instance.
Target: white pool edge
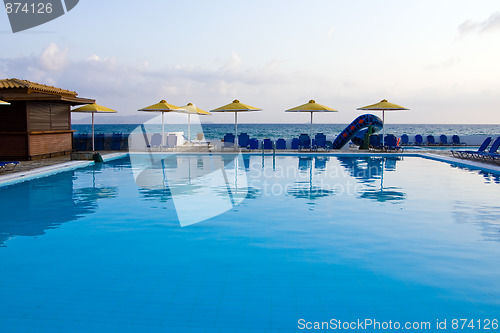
(19, 177)
(471, 164)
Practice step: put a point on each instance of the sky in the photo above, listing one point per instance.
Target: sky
(440, 59)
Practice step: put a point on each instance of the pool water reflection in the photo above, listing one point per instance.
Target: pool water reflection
(306, 237)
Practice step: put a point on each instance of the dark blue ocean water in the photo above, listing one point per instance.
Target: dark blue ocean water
(275, 131)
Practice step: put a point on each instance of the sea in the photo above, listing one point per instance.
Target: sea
(287, 131)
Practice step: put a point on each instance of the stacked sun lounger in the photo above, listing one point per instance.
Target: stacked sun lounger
(431, 140)
(492, 154)
(481, 153)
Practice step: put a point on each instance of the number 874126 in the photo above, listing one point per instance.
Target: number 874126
(484, 324)
(19, 8)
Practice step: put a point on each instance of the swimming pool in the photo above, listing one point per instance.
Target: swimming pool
(307, 238)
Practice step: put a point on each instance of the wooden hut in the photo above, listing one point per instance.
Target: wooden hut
(37, 123)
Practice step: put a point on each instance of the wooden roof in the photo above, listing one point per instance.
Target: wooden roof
(24, 90)
(33, 86)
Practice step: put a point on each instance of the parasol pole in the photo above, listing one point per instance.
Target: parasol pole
(189, 127)
(383, 128)
(311, 130)
(162, 128)
(236, 130)
(93, 140)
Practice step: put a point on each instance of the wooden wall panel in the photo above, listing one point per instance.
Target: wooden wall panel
(60, 116)
(13, 145)
(39, 116)
(50, 143)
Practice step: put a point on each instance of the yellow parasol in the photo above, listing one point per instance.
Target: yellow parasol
(93, 108)
(311, 107)
(193, 109)
(383, 106)
(162, 107)
(236, 107)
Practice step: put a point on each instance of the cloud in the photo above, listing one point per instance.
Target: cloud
(492, 23)
(273, 85)
(94, 57)
(53, 59)
(233, 64)
(129, 85)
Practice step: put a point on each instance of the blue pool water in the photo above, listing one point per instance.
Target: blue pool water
(101, 249)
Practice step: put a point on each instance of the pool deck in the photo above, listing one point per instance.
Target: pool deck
(26, 170)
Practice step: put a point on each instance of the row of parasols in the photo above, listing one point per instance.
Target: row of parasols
(236, 106)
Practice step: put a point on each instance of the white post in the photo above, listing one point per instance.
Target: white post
(189, 127)
(162, 129)
(311, 130)
(383, 128)
(93, 142)
(236, 130)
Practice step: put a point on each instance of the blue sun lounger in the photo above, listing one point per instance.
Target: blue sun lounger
(8, 166)
(320, 141)
(81, 142)
(443, 140)
(253, 144)
(243, 140)
(116, 141)
(99, 141)
(228, 140)
(280, 144)
(375, 141)
(267, 144)
(472, 153)
(419, 140)
(492, 153)
(494, 157)
(456, 140)
(405, 140)
(304, 141)
(391, 142)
